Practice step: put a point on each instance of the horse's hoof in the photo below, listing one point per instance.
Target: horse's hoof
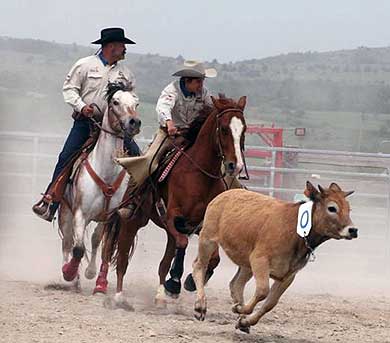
(172, 288)
(70, 270)
(90, 273)
(189, 283)
(100, 289)
(101, 286)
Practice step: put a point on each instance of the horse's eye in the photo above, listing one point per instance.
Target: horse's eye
(332, 209)
(224, 130)
(116, 102)
(136, 106)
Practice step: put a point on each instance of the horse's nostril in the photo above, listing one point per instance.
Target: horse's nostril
(231, 166)
(132, 121)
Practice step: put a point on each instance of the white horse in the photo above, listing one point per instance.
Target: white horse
(98, 187)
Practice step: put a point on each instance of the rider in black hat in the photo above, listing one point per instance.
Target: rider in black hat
(86, 84)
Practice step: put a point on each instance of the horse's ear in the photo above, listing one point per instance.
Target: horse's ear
(242, 102)
(215, 102)
(311, 192)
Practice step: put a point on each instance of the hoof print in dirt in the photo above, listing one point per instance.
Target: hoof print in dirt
(112, 304)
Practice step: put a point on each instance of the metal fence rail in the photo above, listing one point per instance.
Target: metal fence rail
(26, 159)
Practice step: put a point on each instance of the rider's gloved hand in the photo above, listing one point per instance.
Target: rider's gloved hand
(87, 111)
(172, 130)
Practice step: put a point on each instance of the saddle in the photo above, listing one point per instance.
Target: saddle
(57, 188)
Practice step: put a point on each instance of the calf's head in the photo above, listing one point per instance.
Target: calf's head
(331, 212)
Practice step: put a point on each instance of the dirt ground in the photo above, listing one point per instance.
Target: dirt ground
(32, 312)
(338, 298)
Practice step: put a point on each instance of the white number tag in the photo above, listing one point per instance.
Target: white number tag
(304, 219)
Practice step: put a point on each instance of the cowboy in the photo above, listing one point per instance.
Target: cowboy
(179, 104)
(85, 86)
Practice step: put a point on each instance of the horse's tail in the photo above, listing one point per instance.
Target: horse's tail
(112, 232)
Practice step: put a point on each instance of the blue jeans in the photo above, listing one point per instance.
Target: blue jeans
(78, 135)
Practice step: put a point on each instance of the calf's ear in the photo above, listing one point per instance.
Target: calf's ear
(311, 192)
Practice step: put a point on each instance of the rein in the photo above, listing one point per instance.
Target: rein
(120, 135)
(221, 153)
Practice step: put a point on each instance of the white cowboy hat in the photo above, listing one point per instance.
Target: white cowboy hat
(195, 69)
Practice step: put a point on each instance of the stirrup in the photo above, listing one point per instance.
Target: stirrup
(161, 208)
(47, 201)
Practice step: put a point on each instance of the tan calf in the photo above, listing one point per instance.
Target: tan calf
(259, 234)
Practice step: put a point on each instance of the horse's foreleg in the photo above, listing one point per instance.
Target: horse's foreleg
(90, 271)
(173, 284)
(165, 264)
(70, 270)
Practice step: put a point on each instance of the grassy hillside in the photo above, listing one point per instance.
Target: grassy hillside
(341, 97)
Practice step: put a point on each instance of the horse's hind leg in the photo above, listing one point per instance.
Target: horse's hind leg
(127, 233)
(90, 271)
(108, 236)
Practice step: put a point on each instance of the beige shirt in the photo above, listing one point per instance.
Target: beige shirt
(173, 105)
(87, 81)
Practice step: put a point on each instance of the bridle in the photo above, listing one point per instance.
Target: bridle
(221, 153)
(119, 134)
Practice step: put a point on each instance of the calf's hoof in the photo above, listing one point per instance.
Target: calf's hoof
(242, 326)
(236, 308)
(200, 311)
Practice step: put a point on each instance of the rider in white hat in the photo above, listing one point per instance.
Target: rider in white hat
(179, 104)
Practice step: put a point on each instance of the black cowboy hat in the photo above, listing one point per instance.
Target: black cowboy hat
(112, 34)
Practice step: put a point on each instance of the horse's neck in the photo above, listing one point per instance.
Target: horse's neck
(205, 150)
(102, 156)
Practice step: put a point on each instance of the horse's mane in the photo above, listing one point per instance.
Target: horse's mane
(113, 87)
(205, 113)
(198, 122)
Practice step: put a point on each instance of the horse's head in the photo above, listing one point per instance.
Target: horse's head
(122, 105)
(331, 214)
(231, 129)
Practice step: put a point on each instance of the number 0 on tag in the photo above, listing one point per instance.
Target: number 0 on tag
(304, 219)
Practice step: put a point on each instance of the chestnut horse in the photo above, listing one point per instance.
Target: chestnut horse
(194, 181)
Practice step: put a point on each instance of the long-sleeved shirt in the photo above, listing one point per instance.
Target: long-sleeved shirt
(182, 110)
(87, 80)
